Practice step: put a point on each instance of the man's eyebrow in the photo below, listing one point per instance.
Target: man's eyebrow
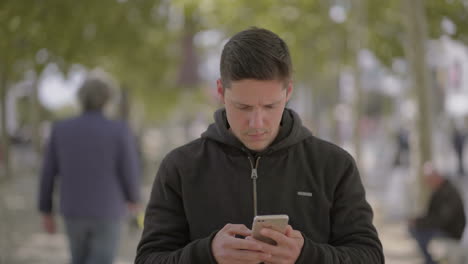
(277, 102)
(239, 103)
(243, 104)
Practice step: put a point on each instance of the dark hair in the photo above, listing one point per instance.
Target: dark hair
(255, 53)
(94, 94)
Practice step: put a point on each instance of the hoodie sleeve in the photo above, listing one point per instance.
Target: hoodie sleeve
(166, 237)
(353, 238)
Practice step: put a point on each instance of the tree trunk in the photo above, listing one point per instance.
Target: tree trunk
(188, 73)
(36, 117)
(6, 240)
(124, 104)
(416, 29)
(5, 139)
(357, 35)
(330, 92)
(334, 94)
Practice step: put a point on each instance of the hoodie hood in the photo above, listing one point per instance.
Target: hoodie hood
(291, 132)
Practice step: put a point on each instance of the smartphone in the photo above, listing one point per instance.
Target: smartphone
(275, 222)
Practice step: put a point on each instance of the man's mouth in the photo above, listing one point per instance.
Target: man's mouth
(256, 136)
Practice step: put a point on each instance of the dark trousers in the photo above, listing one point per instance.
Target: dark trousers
(423, 237)
(461, 169)
(93, 241)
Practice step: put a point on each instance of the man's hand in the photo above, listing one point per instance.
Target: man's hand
(227, 249)
(48, 223)
(288, 248)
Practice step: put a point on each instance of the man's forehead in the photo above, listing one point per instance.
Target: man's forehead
(249, 88)
(252, 98)
(249, 82)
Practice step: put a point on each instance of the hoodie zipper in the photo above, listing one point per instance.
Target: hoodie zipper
(254, 176)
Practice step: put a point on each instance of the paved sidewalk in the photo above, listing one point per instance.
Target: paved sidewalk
(391, 206)
(22, 240)
(25, 242)
(398, 246)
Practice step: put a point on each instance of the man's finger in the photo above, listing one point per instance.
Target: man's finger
(237, 229)
(294, 234)
(291, 232)
(288, 231)
(273, 234)
(244, 244)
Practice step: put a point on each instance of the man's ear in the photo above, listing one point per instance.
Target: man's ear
(220, 90)
(289, 90)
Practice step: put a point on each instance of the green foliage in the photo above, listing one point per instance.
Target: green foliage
(385, 27)
(454, 10)
(138, 41)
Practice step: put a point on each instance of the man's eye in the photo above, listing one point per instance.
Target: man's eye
(270, 106)
(243, 107)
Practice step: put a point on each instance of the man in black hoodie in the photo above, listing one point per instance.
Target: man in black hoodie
(257, 159)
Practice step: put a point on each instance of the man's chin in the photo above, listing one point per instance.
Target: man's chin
(256, 147)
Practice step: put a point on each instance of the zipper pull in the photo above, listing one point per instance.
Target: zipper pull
(254, 174)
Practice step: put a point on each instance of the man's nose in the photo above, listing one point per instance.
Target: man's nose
(256, 119)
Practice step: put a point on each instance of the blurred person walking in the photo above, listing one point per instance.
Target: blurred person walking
(403, 148)
(94, 159)
(445, 216)
(458, 141)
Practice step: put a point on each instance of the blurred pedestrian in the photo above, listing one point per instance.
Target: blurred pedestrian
(458, 141)
(403, 147)
(445, 216)
(95, 163)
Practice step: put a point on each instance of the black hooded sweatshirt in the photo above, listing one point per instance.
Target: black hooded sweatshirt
(212, 181)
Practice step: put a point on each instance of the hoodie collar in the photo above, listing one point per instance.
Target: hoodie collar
(291, 132)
